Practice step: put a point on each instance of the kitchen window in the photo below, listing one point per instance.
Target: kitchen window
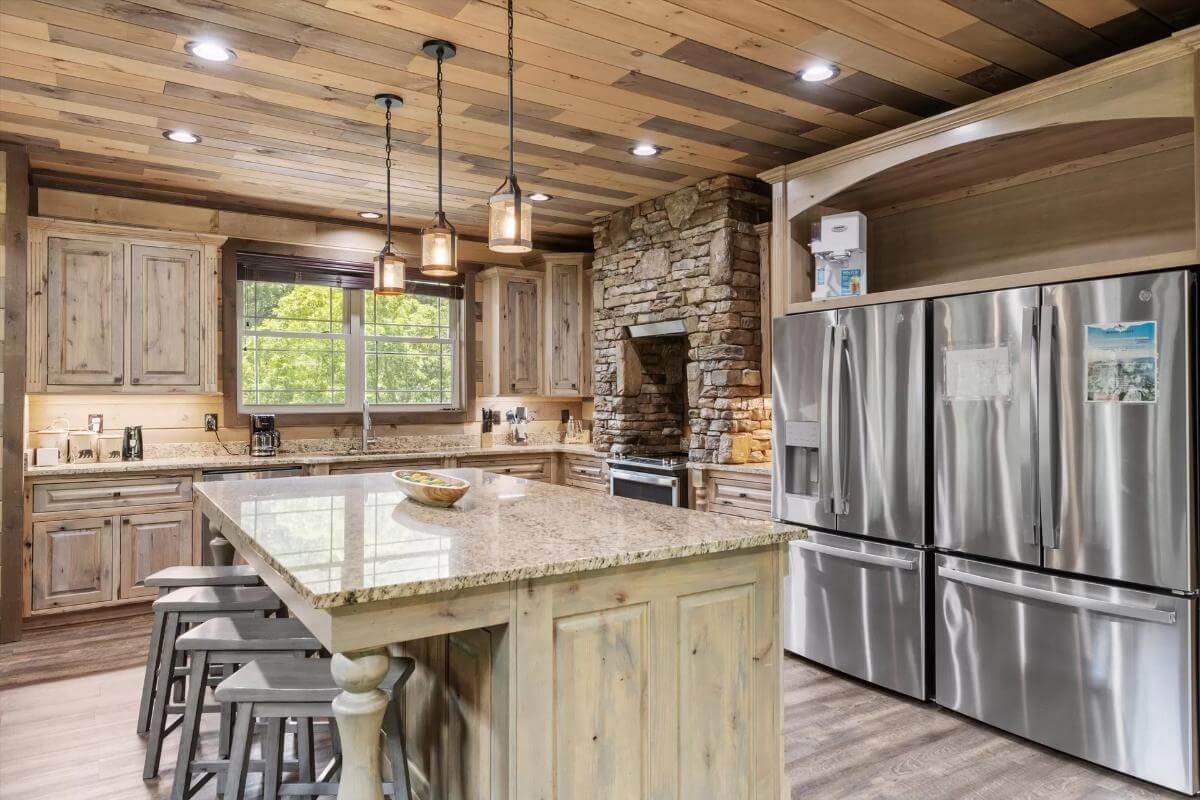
(308, 344)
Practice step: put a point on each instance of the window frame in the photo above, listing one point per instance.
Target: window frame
(236, 414)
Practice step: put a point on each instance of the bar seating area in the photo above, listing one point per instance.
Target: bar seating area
(222, 643)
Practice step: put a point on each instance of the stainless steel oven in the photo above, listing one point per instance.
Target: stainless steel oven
(656, 478)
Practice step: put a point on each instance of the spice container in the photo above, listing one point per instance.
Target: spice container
(108, 447)
(83, 447)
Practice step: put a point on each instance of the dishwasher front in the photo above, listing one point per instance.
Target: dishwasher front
(235, 474)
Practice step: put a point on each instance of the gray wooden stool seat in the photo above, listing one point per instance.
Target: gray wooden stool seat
(305, 690)
(185, 575)
(234, 641)
(187, 606)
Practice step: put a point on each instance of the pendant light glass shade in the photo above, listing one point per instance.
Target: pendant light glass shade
(389, 273)
(439, 240)
(510, 222)
(510, 217)
(389, 265)
(439, 249)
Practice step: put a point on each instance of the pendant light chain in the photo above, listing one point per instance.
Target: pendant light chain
(387, 166)
(512, 98)
(439, 128)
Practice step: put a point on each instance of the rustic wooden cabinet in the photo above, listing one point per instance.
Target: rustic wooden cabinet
(164, 330)
(150, 542)
(85, 311)
(72, 562)
(534, 467)
(120, 309)
(586, 471)
(731, 491)
(512, 331)
(537, 327)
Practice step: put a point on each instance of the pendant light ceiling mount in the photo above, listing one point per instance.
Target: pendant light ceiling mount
(389, 265)
(439, 240)
(510, 216)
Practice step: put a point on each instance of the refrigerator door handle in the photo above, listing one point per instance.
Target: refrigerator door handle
(825, 440)
(1131, 611)
(1047, 429)
(836, 424)
(1029, 400)
(855, 555)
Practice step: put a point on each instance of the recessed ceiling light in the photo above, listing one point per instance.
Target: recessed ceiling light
(182, 136)
(540, 197)
(644, 150)
(209, 51)
(819, 72)
(370, 214)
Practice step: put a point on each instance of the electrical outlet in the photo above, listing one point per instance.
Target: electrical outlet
(210, 423)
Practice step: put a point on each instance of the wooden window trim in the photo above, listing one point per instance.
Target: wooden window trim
(229, 345)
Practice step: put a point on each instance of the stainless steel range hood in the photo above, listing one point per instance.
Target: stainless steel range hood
(674, 327)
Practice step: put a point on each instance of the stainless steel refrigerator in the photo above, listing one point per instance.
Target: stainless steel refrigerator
(1064, 516)
(850, 426)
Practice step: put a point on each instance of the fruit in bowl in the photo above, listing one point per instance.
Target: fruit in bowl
(431, 488)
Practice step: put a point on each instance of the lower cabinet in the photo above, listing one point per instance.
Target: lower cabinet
(72, 562)
(531, 467)
(733, 492)
(585, 472)
(390, 466)
(150, 542)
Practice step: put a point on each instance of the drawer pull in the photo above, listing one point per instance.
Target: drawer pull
(742, 494)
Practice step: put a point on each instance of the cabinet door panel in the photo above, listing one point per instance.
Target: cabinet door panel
(72, 562)
(565, 339)
(150, 542)
(520, 337)
(85, 310)
(165, 316)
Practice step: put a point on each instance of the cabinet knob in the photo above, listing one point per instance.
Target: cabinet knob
(117, 379)
(136, 380)
(107, 522)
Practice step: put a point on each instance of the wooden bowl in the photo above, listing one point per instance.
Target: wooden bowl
(441, 496)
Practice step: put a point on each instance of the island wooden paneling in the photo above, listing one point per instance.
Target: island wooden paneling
(90, 85)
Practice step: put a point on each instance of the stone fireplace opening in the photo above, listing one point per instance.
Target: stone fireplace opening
(690, 258)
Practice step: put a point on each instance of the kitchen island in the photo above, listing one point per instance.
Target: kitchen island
(585, 645)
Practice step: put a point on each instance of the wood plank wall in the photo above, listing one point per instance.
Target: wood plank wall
(14, 208)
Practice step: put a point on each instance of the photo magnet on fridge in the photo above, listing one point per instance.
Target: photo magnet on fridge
(1121, 362)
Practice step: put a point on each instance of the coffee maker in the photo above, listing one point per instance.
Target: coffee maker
(264, 439)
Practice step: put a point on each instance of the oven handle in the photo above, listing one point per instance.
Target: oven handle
(642, 477)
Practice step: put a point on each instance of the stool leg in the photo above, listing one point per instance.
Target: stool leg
(162, 690)
(304, 749)
(225, 731)
(393, 729)
(152, 658)
(272, 753)
(189, 733)
(239, 753)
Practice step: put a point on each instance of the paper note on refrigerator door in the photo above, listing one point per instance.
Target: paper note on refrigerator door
(1122, 362)
(977, 373)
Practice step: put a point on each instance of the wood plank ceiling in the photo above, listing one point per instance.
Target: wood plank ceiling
(90, 85)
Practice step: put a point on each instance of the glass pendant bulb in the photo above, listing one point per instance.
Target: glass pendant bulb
(510, 216)
(439, 249)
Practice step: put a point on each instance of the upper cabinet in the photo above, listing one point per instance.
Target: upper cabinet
(537, 327)
(127, 309)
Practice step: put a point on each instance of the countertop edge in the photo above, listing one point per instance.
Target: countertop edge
(330, 601)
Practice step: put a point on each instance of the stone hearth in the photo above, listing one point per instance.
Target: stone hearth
(693, 256)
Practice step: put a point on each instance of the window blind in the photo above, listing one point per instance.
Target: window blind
(278, 268)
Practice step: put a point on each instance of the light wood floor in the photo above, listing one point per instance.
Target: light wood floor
(73, 738)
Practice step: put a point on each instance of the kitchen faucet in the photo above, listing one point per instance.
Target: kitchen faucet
(367, 438)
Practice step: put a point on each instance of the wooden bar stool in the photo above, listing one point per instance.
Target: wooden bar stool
(231, 642)
(175, 578)
(304, 690)
(189, 606)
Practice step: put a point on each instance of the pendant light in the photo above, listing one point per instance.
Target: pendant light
(510, 218)
(439, 241)
(389, 265)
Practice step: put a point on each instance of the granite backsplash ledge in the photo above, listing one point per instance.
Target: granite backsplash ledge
(424, 443)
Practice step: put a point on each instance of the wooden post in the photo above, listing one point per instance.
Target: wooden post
(16, 217)
(359, 712)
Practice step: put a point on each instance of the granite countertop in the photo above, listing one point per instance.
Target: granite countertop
(345, 539)
(293, 459)
(757, 468)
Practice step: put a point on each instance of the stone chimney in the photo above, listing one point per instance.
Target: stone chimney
(693, 256)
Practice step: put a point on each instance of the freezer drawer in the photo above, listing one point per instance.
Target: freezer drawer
(858, 607)
(1104, 673)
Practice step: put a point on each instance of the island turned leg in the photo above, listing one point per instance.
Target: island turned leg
(359, 712)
